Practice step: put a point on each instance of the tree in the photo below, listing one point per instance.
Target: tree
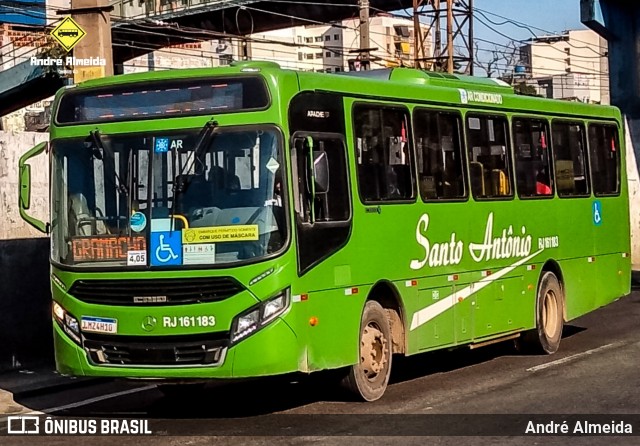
(523, 88)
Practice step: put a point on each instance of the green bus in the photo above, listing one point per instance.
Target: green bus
(247, 220)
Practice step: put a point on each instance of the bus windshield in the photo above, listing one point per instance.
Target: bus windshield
(154, 201)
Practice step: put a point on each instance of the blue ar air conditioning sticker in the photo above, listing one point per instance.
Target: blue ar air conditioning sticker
(161, 145)
(166, 248)
(597, 212)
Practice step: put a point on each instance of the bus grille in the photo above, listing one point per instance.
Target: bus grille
(155, 292)
(156, 350)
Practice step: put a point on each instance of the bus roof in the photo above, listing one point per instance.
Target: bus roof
(402, 84)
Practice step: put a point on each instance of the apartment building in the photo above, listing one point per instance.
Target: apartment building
(572, 65)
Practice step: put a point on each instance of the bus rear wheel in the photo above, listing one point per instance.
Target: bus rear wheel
(549, 317)
(369, 378)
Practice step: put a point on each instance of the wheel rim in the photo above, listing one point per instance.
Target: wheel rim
(550, 314)
(373, 351)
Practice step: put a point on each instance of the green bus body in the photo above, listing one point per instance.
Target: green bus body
(435, 264)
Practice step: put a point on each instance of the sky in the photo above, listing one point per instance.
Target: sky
(542, 16)
(548, 15)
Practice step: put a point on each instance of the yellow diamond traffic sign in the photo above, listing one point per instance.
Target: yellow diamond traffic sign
(68, 33)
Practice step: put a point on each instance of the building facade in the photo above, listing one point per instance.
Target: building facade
(572, 65)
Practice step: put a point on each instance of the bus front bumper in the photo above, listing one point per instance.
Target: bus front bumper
(271, 351)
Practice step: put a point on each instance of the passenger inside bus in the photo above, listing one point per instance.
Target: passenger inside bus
(542, 186)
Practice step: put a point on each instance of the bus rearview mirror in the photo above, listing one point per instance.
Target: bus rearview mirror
(321, 172)
(25, 186)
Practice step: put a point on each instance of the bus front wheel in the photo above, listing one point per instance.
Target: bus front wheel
(549, 317)
(368, 378)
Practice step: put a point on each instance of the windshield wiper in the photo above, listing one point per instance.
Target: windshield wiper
(98, 145)
(180, 183)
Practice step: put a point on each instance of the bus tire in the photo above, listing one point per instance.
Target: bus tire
(549, 317)
(368, 378)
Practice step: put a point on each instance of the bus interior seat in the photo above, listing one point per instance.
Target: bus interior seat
(82, 219)
(477, 178)
(428, 186)
(565, 181)
(499, 183)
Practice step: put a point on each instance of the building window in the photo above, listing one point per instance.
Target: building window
(319, 55)
(328, 54)
(570, 161)
(308, 56)
(308, 39)
(327, 38)
(336, 37)
(604, 152)
(318, 38)
(533, 163)
(487, 142)
(439, 154)
(383, 153)
(300, 56)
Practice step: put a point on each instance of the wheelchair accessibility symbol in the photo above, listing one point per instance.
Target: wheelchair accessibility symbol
(597, 213)
(166, 248)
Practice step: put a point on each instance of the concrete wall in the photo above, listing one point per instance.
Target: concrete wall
(25, 300)
(25, 304)
(633, 149)
(12, 146)
(619, 23)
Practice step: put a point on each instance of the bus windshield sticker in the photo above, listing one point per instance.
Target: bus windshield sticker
(198, 253)
(138, 222)
(137, 258)
(273, 165)
(219, 234)
(161, 145)
(166, 248)
(105, 248)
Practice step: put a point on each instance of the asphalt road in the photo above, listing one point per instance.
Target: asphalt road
(492, 390)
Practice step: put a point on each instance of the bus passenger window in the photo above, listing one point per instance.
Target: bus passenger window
(383, 153)
(439, 154)
(488, 145)
(605, 159)
(533, 172)
(570, 159)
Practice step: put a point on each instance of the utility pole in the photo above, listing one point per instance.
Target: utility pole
(457, 16)
(365, 55)
(450, 36)
(94, 18)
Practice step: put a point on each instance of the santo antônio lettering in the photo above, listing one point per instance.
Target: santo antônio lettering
(505, 245)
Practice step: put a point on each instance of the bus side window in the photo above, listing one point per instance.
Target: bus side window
(604, 154)
(533, 170)
(570, 158)
(439, 153)
(383, 153)
(489, 156)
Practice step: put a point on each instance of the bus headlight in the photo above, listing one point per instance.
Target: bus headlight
(259, 316)
(68, 323)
